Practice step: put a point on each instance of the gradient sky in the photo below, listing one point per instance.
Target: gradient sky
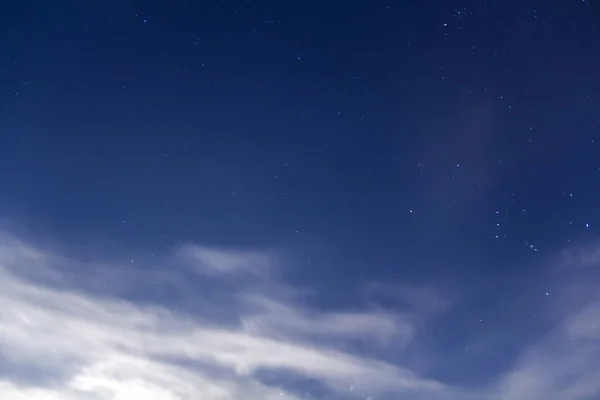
(225, 200)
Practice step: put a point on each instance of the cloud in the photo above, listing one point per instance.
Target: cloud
(274, 317)
(218, 261)
(586, 255)
(564, 365)
(61, 340)
(100, 346)
(421, 298)
(565, 362)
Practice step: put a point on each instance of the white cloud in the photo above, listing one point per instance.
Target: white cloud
(115, 349)
(211, 261)
(273, 316)
(61, 341)
(562, 366)
(565, 363)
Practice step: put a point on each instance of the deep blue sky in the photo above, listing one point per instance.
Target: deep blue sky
(449, 144)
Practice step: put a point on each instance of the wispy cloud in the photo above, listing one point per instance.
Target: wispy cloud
(273, 317)
(59, 340)
(219, 261)
(564, 365)
(420, 298)
(565, 362)
(111, 348)
(581, 256)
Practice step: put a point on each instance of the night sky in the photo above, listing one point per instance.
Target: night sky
(225, 200)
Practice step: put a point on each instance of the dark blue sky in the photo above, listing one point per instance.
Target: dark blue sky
(385, 151)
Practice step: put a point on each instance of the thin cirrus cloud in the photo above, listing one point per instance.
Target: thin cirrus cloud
(65, 343)
(218, 261)
(564, 365)
(272, 318)
(59, 340)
